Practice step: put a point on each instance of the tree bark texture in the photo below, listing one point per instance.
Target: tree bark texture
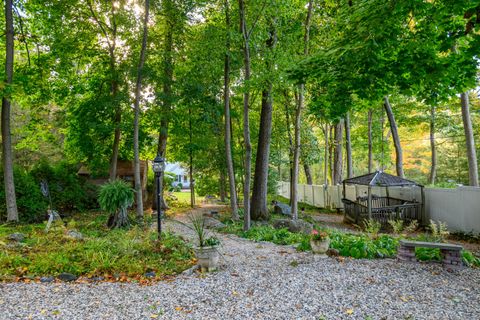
(10, 197)
(348, 146)
(469, 140)
(138, 90)
(433, 147)
(325, 160)
(168, 68)
(290, 141)
(259, 210)
(308, 173)
(338, 154)
(370, 141)
(396, 138)
(228, 120)
(246, 122)
(298, 116)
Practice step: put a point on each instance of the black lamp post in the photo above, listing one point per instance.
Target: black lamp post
(159, 168)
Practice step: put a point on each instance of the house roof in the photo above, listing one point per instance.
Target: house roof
(382, 179)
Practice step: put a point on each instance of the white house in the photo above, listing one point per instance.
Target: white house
(181, 174)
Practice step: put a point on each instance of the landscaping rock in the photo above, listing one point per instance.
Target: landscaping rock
(190, 271)
(67, 277)
(96, 279)
(333, 252)
(281, 208)
(74, 234)
(293, 225)
(150, 274)
(18, 237)
(47, 279)
(213, 223)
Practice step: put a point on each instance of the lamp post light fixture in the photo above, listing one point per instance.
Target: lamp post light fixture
(158, 168)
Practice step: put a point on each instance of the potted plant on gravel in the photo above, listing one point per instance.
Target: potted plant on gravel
(207, 250)
(320, 242)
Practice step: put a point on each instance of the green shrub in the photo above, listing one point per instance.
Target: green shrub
(68, 191)
(32, 205)
(361, 246)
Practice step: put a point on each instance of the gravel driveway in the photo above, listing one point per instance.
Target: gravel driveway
(262, 281)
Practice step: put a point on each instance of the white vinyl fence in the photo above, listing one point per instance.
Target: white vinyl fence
(459, 208)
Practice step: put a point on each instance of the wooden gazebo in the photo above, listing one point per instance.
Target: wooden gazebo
(382, 207)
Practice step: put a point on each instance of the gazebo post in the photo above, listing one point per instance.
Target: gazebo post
(369, 202)
(422, 189)
(388, 196)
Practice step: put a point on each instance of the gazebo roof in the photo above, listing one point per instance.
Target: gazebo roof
(382, 179)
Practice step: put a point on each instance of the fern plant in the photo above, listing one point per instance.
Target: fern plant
(115, 197)
(397, 226)
(372, 227)
(439, 230)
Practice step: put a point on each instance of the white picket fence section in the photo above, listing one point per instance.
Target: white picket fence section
(459, 208)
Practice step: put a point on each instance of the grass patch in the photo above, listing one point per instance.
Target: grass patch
(103, 252)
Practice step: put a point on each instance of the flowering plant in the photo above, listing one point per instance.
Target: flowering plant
(318, 235)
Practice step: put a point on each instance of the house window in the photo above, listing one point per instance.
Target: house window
(179, 178)
(185, 178)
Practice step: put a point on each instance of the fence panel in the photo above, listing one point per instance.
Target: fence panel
(459, 208)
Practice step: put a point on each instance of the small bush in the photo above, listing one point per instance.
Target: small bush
(68, 191)
(32, 205)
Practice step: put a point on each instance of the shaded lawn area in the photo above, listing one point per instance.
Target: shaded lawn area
(102, 252)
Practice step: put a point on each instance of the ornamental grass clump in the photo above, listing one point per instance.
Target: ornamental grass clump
(198, 226)
(115, 197)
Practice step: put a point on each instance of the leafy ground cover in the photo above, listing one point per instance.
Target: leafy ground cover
(102, 252)
(358, 246)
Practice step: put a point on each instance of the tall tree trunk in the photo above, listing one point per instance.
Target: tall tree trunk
(370, 141)
(308, 173)
(138, 89)
(228, 127)
(11, 200)
(298, 115)
(223, 183)
(348, 146)
(433, 168)
(396, 138)
(168, 67)
(110, 34)
(470, 141)
(192, 182)
(330, 155)
(259, 210)
(338, 154)
(325, 161)
(246, 122)
(290, 142)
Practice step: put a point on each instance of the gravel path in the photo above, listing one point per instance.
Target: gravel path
(262, 281)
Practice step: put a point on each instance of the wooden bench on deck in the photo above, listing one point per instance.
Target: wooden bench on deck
(450, 253)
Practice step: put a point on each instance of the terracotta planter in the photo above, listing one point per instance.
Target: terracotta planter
(207, 258)
(320, 246)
